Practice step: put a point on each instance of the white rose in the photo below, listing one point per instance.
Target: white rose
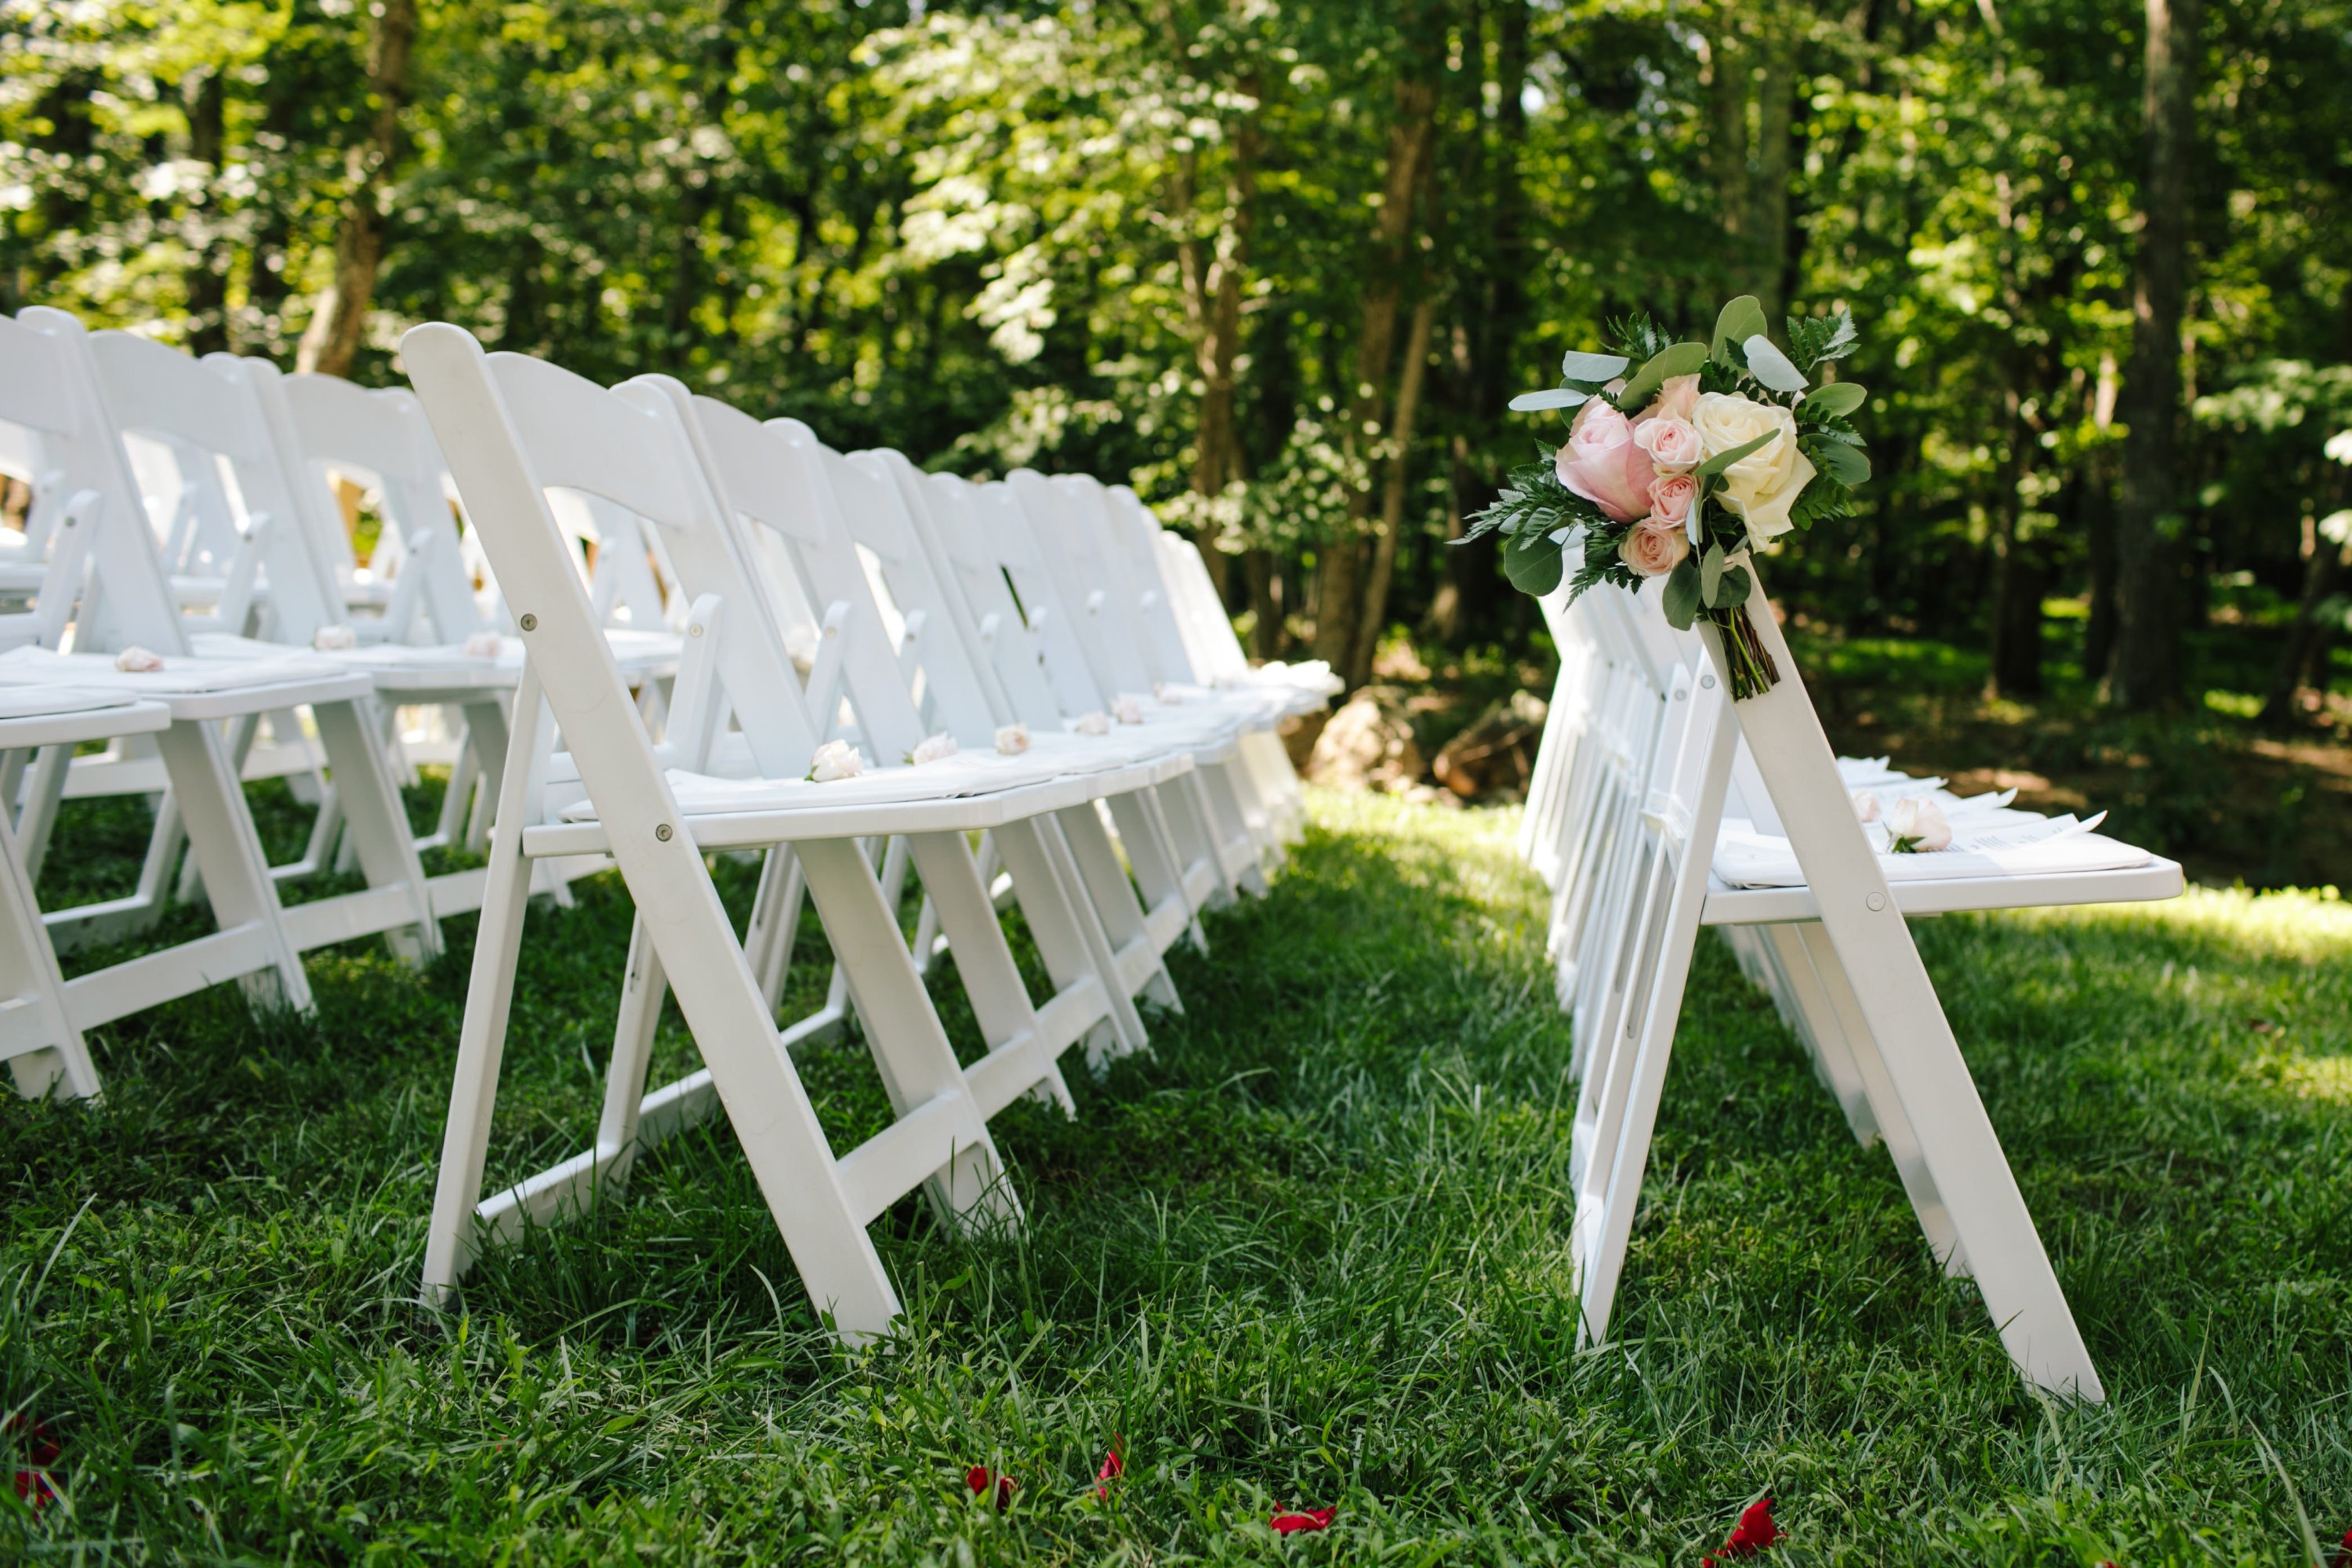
(1096, 724)
(934, 748)
(485, 645)
(1916, 827)
(1865, 806)
(1013, 740)
(835, 759)
(1761, 487)
(334, 639)
(1165, 695)
(1127, 710)
(800, 647)
(137, 660)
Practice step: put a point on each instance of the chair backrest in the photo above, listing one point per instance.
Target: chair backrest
(1008, 657)
(1066, 558)
(382, 436)
(774, 478)
(1135, 533)
(1078, 685)
(211, 408)
(1104, 545)
(48, 384)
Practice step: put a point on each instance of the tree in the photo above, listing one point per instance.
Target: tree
(2145, 672)
(332, 340)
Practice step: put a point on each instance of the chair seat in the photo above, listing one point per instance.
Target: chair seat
(180, 675)
(1745, 858)
(68, 715)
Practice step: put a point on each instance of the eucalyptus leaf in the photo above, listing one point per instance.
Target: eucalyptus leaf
(1768, 364)
(1843, 463)
(1836, 400)
(1732, 455)
(1680, 598)
(1550, 397)
(1578, 365)
(1681, 359)
(1734, 590)
(1741, 319)
(1532, 561)
(1710, 574)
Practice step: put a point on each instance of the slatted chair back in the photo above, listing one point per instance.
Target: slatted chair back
(381, 435)
(799, 497)
(210, 407)
(1064, 555)
(965, 582)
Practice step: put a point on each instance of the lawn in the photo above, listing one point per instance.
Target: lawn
(1311, 1252)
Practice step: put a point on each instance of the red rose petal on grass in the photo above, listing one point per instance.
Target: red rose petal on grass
(40, 1440)
(33, 1487)
(1112, 1468)
(2342, 1557)
(1755, 1531)
(977, 1478)
(1305, 1519)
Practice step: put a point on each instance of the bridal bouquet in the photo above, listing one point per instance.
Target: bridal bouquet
(1681, 469)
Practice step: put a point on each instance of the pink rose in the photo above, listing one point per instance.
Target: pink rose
(1602, 463)
(1652, 550)
(1672, 442)
(1672, 497)
(1678, 395)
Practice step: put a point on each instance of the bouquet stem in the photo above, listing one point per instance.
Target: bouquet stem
(1751, 668)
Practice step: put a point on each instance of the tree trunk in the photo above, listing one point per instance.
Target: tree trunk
(1258, 567)
(1214, 272)
(2145, 669)
(332, 343)
(208, 269)
(1342, 569)
(2303, 658)
(1392, 493)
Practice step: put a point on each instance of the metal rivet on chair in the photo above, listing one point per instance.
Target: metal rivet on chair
(531, 623)
(1876, 901)
(663, 832)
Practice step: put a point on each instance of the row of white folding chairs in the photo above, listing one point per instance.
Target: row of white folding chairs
(1642, 752)
(79, 406)
(763, 527)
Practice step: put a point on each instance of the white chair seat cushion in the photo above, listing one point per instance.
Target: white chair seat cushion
(1745, 858)
(43, 701)
(959, 777)
(179, 675)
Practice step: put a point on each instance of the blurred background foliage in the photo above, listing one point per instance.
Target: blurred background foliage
(1281, 263)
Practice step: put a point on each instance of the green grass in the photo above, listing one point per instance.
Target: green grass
(1311, 1252)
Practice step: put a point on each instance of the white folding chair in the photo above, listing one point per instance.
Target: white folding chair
(1211, 658)
(47, 386)
(798, 494)
(38, 1037)
(1097, 667)
(512, 430)
(1861, 986)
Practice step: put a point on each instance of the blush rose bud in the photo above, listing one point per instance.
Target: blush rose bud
(1916, 827)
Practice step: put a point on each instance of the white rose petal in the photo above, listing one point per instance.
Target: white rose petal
(934, 748)
(334, 639)
(137, 660)
(835, 759)
(1013, 740)
(1917, 826)
(1127, 710)
(1094, 723)
(1865, 806)
(485, 645)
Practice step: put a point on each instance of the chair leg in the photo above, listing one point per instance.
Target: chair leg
(205, 795)
(378, 823)
(910, 1049)
(1068, 938)
(30, 975)
(1112, 899)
